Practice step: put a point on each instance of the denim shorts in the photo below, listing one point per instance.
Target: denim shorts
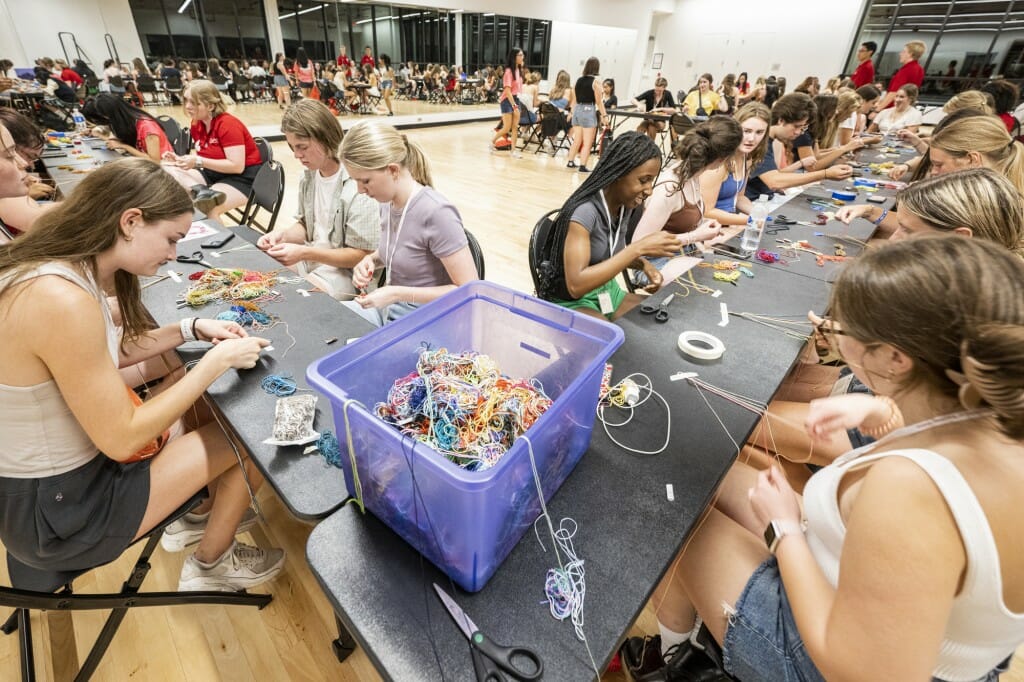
(508, 107)
(584, 115)
(762, 642)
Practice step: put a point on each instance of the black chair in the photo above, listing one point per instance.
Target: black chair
(243, 87)
(538, 258)
(35, 589)
(266, 151)
(679, 124)
(147, 85)
(172, 84)
(554, 128)
(172, 129)
(259, 86)
(477, 253)
(266, 194)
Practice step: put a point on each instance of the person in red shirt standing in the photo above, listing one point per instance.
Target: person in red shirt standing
(221, 171)
(344, 60)
(367, 58)
(910, 72)
(865, 73)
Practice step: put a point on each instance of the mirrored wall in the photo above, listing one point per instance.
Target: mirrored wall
(237, 29)
(968, 41)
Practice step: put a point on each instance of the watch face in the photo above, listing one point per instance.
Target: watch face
(771, 536)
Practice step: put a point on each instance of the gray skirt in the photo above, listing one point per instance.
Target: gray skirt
(76, 520)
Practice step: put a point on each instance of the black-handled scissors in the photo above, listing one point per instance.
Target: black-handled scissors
(196, 257)
(487, 654)
(660, 310)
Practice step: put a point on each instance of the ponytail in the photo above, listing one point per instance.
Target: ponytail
(717, 138)
(416, 162)
(1013, 165)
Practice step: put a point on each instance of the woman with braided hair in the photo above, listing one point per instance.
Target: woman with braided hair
(590, 242)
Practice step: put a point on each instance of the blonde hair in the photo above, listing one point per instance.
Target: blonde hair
(977, 198)
(987, 136)
(969, 99)
(561, 86)
(311, 119)
(916, 48)
(849, 102)
(205, 92)
(369, 145)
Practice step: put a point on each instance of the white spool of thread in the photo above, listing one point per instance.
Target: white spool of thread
(711, 347)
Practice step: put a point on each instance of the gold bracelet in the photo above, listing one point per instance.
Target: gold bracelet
(894, 422)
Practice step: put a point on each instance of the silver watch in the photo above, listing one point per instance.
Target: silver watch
(199, 162)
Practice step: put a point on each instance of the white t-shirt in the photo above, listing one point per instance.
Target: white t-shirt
(888, 119)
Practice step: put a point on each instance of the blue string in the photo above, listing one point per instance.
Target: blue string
(328, 446)
(279, 385)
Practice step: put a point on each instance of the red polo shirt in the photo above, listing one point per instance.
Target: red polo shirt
(865, 73)
(911, 72)
(225, 131)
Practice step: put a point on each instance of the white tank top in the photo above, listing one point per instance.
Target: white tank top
(41, 436)
(981, 631)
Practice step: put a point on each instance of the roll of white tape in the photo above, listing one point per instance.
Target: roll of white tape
(711, 347)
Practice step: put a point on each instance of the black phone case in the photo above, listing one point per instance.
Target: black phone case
(218, 241)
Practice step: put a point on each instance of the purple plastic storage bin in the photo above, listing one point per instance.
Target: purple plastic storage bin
(466, 522)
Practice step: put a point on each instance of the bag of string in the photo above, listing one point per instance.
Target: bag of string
(293, 420)
(461, 405)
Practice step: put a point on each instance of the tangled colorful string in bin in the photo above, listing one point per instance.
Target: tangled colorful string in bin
(463, 407)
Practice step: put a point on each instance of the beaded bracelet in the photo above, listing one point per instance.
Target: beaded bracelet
(895, 420)
(188, 329)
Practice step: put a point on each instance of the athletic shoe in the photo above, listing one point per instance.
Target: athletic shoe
(189, 529)
(208, 200)
(240, 568)
(517, 155)
(584, 169)
(571, 164)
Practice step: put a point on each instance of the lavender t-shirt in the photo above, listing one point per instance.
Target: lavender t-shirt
(432, 230)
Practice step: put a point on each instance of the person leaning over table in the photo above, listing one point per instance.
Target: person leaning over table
(226, 160)
(423, 247)
(676, 204)
(815, 148)
(337, 226)
(790, 117)
(18, 213)
(900, 561)
(134, 130)
(722, 187)
(586, 247)
(659, 100)
(69, 422)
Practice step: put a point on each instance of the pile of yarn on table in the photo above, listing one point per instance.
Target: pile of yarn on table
(463, 406)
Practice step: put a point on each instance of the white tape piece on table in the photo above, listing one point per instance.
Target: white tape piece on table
(725, 314)
(174, 276)
(670, 492)
(304, 292)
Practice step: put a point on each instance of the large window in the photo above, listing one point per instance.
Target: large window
(968, 41)
(200, 29)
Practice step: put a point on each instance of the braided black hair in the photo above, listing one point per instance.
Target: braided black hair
(626, 152)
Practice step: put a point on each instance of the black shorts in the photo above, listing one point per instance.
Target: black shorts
(76, 520)
(241, 181)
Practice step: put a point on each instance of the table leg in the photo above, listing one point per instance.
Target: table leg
(344, 645)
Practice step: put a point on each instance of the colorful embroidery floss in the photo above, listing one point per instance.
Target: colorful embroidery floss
(463, 407)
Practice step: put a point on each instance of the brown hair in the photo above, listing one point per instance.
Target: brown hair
(592, 67)
(715, 139)
(755, 110)
(955, 306)
(796, 106)
(312, 119)
(87, 224)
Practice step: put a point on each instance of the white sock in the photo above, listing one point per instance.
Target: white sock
(693, 633)
(669, 638)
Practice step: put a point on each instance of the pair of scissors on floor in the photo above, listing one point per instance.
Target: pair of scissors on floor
(487, 654)
(660, 310)
(196, 257)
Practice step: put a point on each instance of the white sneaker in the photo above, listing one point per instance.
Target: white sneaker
(516, 155)
(241, 567)
(189, 530)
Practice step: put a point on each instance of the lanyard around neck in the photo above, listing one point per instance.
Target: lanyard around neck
(613, 233)
(393, 241)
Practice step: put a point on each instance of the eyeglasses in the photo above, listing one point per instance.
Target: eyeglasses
(825, 333)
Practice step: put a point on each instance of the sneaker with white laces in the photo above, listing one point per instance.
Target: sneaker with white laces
(240, 568)
(189, 529)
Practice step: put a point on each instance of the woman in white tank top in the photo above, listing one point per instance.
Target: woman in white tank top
(69, 496)
(902, 561)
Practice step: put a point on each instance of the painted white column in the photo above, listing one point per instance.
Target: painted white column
(457, 57)
(273, 28)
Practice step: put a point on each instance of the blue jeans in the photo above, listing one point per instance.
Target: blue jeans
(762, 642)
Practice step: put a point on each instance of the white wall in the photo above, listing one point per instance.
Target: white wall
(35, 25)
(572, 44)
(790, 38)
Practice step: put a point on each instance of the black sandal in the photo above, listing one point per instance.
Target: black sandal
(571, 164)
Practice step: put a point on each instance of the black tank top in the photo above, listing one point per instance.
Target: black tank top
(585, 90)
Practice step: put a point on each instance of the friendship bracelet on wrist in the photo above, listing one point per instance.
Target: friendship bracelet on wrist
(895, 420)
(877, 222)
(195, 334)
(187, 327)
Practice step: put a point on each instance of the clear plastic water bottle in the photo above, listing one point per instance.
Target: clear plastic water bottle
(751, 239)
(79, 120)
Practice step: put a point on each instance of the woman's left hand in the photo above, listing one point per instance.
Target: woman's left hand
(378, 298)
(216, 331)
(773, 499)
